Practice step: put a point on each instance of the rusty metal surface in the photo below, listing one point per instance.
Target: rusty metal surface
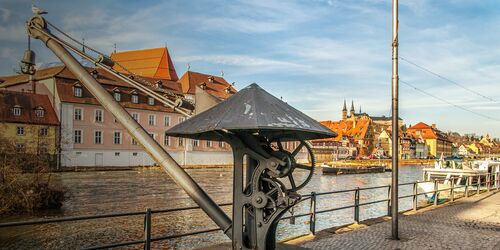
(252, 109)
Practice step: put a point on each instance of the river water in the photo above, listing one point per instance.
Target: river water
(91, 193)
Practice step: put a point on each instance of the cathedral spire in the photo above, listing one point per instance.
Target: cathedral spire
(352, 106)
(345, 106)
(360, 109)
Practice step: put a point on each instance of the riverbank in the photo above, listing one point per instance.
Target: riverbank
(343, 163)
(384, 162)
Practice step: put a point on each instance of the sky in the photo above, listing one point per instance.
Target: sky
(312, 53)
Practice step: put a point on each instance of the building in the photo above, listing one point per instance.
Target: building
(28, 123)
(465, 151)
(328, 150)
(359, 131)
(90, 136)
(437, 142)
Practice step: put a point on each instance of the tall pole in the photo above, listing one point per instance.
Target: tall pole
(395, 124)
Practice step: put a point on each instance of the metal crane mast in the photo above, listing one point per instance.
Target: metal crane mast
(37, 28)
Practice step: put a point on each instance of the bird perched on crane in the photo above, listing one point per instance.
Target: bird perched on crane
(37, 10)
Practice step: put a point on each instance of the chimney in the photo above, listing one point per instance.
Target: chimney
(210, 79)
(433, 126)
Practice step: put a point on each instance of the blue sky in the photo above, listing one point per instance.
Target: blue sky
(312, 53)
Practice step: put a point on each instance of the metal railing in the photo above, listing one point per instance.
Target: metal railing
(488, 182)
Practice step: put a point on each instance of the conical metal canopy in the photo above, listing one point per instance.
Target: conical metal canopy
(252, 110)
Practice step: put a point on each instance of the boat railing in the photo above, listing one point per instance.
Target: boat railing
(474, 184)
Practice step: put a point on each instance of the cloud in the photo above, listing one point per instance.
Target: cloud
(238, 60)
(4, 15)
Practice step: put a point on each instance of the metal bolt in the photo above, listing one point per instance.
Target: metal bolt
(259, 224)
(259, 200)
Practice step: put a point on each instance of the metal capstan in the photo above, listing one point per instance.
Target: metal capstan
(267, 173)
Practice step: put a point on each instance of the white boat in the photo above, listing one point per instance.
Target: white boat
(446, 169)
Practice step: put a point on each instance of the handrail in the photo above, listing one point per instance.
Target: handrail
(485, 180)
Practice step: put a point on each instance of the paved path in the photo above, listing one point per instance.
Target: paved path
(469, 223)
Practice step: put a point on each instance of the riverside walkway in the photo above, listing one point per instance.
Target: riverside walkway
(470, 223)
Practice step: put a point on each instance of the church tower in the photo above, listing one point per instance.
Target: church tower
(352, 109)
(344, 111)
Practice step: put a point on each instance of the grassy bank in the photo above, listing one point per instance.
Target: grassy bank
(26, 185)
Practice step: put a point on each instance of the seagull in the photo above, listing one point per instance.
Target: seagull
(37, 10)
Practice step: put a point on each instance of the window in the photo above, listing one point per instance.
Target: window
(196, 143)
(39, 112)
(117, 153)
(98, 115)
(134, 142)
(135, 116)
(135, 98)
(44, 132)
(77, 91)
(209, 144)
(117, 137)
(98, 137)
(117, 95)
(20, 130)
(181, 142)
(167, 121)
(20, 148)
(151, 101)
(221, 144)
(166, 140)
(16, 111)
(181, 119)
(134, 153)
(77, 139)
(151, 120)
(78, 114)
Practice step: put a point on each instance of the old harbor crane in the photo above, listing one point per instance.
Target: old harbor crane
(255, 123)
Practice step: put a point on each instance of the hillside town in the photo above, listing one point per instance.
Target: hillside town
(51, 113)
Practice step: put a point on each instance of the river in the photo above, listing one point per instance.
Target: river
(100, 192)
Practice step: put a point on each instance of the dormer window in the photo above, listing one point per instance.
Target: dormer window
(210, 79)
(227, 90)
(117, 95)
(203, 86)
(151, 101)
(16, 110)
(40, 112)
(77, 90)
(159, 84)
(135, 98)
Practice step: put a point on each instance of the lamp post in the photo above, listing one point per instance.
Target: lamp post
(395, 115)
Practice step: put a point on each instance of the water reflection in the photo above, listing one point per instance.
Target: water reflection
(124, 191)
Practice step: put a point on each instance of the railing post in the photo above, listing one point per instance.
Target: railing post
(415, 196)
(497, 180)
(312, 218)
(292, 218)
(389, 209)
(467, 183)
(478, 184)
(452, 190)
(436, 187)
(147, 229)
(488, 179)
(356, 205)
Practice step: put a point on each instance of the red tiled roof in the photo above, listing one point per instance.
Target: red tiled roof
(427, 132)
(217, 87)
(155, 63)
(28, 102)
(347, 128)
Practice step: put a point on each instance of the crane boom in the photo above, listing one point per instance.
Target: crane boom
(37, 28)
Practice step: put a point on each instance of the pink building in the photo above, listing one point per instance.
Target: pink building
(90, 135)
